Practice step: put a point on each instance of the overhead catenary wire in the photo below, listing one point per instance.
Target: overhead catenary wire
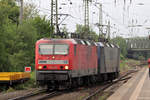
(111, 17)
(74, 9)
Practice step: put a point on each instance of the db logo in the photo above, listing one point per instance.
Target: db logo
(27, 69)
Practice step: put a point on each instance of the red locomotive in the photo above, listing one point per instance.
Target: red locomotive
(67, 62)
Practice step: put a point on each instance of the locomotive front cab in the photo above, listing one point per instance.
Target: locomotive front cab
(53, 57)
(53, 61)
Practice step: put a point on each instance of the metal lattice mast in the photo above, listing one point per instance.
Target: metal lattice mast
(86, 14)
(54, 14)
(56, 9)
(108, 30)
(100, 19)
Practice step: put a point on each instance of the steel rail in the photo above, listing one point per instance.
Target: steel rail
(33, 95)
(29, 95)
(110, 84)
(49, 95)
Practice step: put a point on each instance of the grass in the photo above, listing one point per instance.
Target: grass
(127, 64)
(123, 65)
(10, 90)
(104, 97)
(29, 84)
(83, 96)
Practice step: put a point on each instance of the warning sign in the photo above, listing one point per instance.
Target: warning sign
(27, 69)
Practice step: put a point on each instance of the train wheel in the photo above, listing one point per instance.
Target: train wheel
(53, 85)
(80, 81)
(87, 80)
(74, 83)
(116, 74)
(92, 80)
(105, 77)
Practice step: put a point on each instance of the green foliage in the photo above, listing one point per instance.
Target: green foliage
(28, 84)
(122, 57)
(127, 64)
(86, 33)
(122, 44)
(42, 26)
(8, 10)
(30, 11)
(65, 31)
(17, 42)
(7, 31)
(31, 83)
(123, 65)
(10, 90)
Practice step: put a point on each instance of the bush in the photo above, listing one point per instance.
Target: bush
(122, 44)
(122, 57)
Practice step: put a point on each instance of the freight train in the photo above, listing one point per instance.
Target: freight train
(73, 62)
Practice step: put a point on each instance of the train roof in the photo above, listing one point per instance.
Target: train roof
(84, 42)
(103, 44)
(74, 41)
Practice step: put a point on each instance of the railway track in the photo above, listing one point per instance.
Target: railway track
(33, 93)
(43, 94)
(38, 95)
(124, 78)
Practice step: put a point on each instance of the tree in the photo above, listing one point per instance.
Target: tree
(8, 19)
(43, 27)
(65, 30)
(8, 9)
(17, 42)
(30, 11)
(122, 44)
(23, 54)
(86, 33)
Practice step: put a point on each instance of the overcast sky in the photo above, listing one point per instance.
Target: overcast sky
(120, 15)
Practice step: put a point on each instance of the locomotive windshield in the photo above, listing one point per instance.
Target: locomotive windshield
(53, 49)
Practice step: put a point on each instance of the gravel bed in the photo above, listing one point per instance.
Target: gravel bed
(6, 96)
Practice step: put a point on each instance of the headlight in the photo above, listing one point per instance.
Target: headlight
(66, 67)
(40, 67)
